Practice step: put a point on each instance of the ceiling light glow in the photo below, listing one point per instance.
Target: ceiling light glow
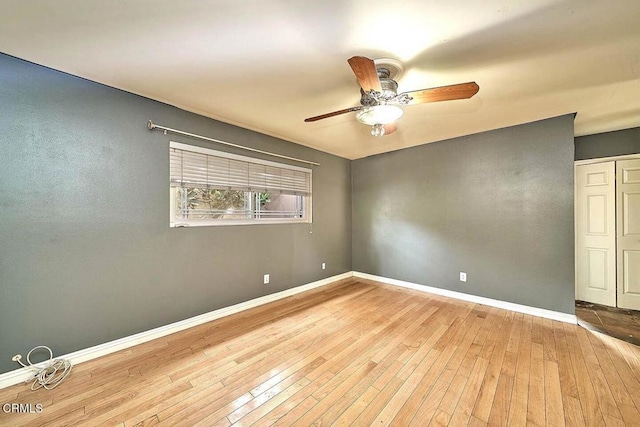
(379, 114)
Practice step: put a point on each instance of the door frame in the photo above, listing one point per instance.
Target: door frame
(577, 163)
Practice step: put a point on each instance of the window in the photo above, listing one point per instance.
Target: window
(214, 188)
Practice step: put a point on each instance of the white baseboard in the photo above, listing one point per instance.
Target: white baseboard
(534, 311)
(20, 375)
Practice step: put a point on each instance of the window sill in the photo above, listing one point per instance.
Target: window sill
(237, 222)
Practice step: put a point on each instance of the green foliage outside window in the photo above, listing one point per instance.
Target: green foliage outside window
(215, 203)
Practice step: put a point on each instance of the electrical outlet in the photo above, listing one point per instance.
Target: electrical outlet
(324, 265)
(463, 276)
(266, 279)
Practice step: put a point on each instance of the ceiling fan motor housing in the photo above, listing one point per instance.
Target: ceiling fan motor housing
(389, 90)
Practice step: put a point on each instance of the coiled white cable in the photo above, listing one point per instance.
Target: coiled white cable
(49, 375)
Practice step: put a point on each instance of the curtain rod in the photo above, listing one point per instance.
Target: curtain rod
(153, 126)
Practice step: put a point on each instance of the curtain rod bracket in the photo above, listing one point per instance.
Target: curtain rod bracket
(153, 126)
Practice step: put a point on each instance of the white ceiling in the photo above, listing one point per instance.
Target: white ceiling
(267, 65)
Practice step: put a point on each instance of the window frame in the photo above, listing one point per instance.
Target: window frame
(307, 200)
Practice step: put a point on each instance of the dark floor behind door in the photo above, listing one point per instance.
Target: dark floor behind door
(617, 322)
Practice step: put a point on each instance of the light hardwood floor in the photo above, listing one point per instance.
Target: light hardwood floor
(354, 353)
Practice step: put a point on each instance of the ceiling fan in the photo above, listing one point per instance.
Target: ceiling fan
(380, 99)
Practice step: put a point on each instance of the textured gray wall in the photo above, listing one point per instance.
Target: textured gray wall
(608, 144)
(496, 205)
(86, 253)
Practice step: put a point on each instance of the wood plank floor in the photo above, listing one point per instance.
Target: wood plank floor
(354, 353)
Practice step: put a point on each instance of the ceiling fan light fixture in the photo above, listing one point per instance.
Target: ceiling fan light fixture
(379, 114)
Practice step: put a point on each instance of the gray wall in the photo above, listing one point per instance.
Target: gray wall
(86, 253)
(608, 144)
(496, 205)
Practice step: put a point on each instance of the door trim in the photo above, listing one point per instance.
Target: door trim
(604, 160)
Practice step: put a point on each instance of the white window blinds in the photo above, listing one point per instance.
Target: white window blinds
(210, 169)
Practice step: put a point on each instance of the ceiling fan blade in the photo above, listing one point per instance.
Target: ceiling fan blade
(366, 73)
(390, 128)
(444, 93)
(335, 113)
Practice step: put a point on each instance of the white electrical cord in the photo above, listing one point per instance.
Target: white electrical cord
(50, 374)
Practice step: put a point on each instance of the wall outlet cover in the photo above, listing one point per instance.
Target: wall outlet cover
(266, 279)
(463, 276)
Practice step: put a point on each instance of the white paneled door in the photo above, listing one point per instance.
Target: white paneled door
(596, 233)
(628, 200)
